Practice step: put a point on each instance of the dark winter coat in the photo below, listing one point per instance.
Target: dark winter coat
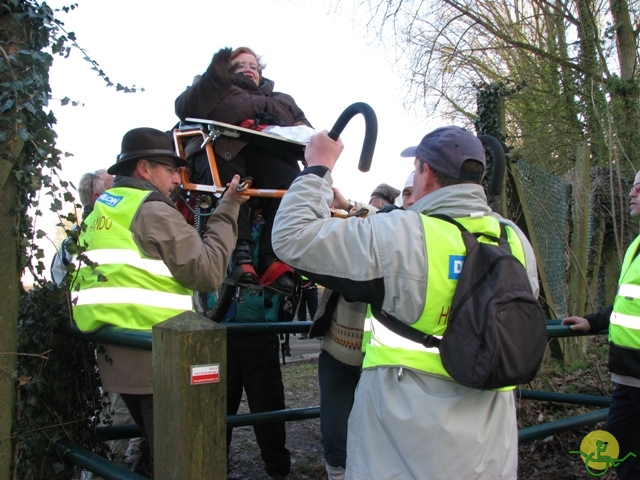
(213, 99)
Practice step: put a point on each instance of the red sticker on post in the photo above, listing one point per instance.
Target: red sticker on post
(201, 374)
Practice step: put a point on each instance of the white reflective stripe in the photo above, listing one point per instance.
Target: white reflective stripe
(627, 321)
(108, 256)
(367, 324)
(138, 296)
(629, 290)
(386, 337)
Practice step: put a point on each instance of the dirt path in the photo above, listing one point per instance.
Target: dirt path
(543, 459)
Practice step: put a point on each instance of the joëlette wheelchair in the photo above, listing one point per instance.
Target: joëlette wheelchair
(197, 201)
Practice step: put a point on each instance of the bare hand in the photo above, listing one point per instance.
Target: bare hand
(231, 192)
(339, 200)
(577, 323)
(322, 150)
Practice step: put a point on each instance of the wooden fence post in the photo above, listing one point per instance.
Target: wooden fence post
(578, 281)
(579, 239)
(189, 398)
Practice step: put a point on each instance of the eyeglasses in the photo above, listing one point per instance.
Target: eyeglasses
(241, 67)
(635, 190)
(172, 170)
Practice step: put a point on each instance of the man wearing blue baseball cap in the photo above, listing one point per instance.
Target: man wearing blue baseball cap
(410, 419)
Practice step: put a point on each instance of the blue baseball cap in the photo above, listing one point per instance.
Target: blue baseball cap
(446, 149)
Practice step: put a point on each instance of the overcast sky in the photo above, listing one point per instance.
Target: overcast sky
(314, 51)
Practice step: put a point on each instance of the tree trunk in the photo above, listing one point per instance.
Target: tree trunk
(626, 93)
(10, 286)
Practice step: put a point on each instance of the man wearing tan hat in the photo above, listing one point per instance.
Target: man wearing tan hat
(146, 262)
(383, 195)
(409, 419)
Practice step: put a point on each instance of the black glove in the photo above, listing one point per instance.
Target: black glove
(220, 67)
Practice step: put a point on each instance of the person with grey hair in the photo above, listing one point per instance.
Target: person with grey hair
(90, 187)
(409, 419)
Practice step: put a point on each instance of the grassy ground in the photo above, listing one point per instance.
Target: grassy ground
(550, 457)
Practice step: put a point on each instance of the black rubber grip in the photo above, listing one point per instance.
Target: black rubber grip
(370, 134)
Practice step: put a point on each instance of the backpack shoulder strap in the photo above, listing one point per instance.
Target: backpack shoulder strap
(447, 218)
(400, 328)
(471, 238)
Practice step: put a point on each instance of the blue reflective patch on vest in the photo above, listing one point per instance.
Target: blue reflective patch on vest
(455, 266)
(109, 200)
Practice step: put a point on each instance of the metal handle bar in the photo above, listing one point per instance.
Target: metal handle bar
(370, 134)
(499, 163)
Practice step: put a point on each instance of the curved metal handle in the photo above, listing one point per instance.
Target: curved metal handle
(370, 134)
(245, 183)
(499, 163)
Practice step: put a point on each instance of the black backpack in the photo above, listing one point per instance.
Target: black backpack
(496, 332)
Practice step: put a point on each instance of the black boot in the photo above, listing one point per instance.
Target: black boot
(241, 271)
(277, 277)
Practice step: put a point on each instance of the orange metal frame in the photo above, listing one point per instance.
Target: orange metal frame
(217, 187)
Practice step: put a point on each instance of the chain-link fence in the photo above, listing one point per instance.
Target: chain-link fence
(546, 205)
(547, 198)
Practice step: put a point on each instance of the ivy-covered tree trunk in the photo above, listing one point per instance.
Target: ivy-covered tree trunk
(23, 86)
(54, 379)
(592, 94)
(12, 146)
(10, 286)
